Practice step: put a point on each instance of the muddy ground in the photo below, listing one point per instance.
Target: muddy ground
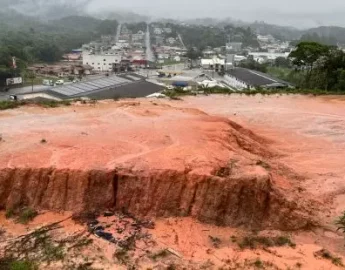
(291, 147)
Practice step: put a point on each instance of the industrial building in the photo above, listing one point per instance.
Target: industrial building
(242, 78)
(129, 85)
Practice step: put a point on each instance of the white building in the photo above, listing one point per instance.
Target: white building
(233, 47)
(101, 62)
(171, 40)
(158, 31)
(213, 64)
(138, 36)
(260, 56)
(265, 38)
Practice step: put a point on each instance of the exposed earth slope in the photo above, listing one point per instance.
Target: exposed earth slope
(257, 163)
(150, 159)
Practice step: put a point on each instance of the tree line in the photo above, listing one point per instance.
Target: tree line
(322, 66)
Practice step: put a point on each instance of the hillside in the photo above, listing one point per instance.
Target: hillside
(333, 33)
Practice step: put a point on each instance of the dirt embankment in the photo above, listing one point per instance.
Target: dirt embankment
(250, 201)
(209, 168)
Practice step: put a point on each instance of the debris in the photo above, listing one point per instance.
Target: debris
(174, 252)
(215, 241)
(104, 235)
(108, 214)
(99, 228)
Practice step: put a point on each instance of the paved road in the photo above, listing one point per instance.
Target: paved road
(118, 32)
(181, 40)
(149, 53)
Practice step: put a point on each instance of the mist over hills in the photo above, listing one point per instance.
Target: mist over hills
(36, 13)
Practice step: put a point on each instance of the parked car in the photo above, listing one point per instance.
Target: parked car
(59, 82)
(48, 82)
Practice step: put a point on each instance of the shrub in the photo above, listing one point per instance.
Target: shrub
(324, 253)
(26, 215)
(9, 213)
(253, 242)
(341, 223)
(258, 263)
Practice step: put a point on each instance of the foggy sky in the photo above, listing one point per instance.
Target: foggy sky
(298, 13)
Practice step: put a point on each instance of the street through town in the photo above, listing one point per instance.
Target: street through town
(149, 53)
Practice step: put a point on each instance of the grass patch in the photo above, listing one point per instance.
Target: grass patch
(8, 263)
(122, 256)
(253, 242)
(9, 213)
(27, 215)
(176, 92)
(23, 215)
(7, 104)
(324, 253)
(53, 103)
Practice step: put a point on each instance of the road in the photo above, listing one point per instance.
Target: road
(149, 53)
(118, 32)
(181, 40)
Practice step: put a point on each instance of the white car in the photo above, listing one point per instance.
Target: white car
(59, 82)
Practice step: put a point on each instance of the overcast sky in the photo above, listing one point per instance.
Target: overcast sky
(299, 13)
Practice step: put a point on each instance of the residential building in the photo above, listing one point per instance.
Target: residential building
(158, 31)
(266, 56)
(138, 36)
(233, 47)
(171, 40)
(101, 62)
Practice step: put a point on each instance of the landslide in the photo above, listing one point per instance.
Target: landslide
(248, 189)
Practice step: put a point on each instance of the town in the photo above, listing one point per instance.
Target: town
(156, 55)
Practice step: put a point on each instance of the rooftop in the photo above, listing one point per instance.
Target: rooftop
(256, 78)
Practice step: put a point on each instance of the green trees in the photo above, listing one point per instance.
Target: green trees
(323, 66)
(250, 63)
(32, 41)
(282, 62)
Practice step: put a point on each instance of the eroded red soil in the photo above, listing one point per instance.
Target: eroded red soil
(250, 162)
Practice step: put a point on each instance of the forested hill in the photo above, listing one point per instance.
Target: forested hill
(31, 40)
